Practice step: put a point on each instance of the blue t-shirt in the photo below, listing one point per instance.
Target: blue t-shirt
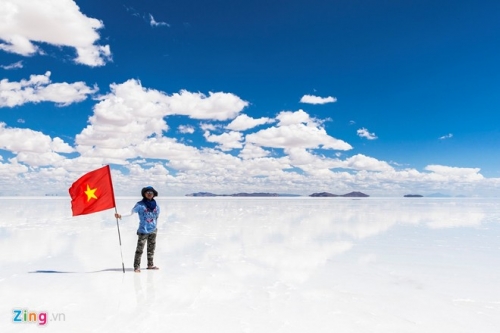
(147, 218)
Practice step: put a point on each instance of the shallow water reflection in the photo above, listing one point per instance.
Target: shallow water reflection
(260, 264)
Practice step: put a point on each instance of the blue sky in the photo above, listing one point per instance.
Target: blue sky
(383, 97)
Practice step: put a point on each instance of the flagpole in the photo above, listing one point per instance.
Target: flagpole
(116, 212)
(120, 240)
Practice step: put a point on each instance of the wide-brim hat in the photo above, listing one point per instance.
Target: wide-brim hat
(149, 188)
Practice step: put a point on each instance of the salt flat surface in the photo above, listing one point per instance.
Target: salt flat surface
(256, 265)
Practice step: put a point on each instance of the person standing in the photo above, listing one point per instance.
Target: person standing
(148, 212)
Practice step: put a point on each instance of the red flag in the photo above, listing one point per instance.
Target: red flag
(92, 192)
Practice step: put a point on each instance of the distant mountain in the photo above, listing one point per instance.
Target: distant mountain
(265, 194)
(323, 194)
(355, 195)
(254, 195)
(438, 195)
(201, 194)
(413, 196)
(208, 194)
(348, 195)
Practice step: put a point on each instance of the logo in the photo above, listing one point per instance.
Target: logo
(41, 317)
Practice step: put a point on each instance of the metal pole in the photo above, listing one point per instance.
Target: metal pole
(120, 240)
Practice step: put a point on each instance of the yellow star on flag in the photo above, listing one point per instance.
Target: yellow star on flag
(90, 193)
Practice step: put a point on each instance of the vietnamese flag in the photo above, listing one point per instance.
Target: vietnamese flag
(92, 192)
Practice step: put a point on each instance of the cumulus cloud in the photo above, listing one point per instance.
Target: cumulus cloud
(26, 140)
(129, 127)
(185, 129)
(130, 114)
(304, 159)
(32, 147)
(244, 122)
(226, 141)
(12, 168)
(250, 151)
(296, 130)
(215, 106)
(40, 159)
(311, 99)
(40, 89)
(24, 24)
(364, 133)
(447, 171)
(210, 127)
(297, 135)
(286, 118)
(324, 167)
(362, 162)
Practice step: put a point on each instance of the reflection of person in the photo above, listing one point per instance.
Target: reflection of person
(148, 212)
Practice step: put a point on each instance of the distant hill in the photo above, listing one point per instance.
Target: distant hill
(208, 194)
(201, 194)
(413, 196)
(348, 195)
(323, 194)
(254, 195)
(438, 195)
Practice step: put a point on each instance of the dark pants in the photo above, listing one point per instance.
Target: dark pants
(141, 241)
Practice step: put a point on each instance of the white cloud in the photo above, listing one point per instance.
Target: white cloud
(26, 140)
(12, 168)
(269, 167)
(244, 122)
(215, 106)
(31, 147)
(296, 130)
(154, 23)
(311, 99)
(130, 114)
(250, 151)
(185, 129)
(226, 141)
(300, 157)
(322, 166)
(292, 118)
(362, 162)
(40, 89)
(40, 159)
(25, 22)
(130, 123)
(15, 65)
(448, 136)
(296, 136)
(455, 172)
(210, 127)
(364, 133)
(167, 149)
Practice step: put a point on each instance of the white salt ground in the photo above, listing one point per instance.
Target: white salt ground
(255, 265)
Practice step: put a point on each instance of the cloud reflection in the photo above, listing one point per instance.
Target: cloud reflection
(271, 261)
